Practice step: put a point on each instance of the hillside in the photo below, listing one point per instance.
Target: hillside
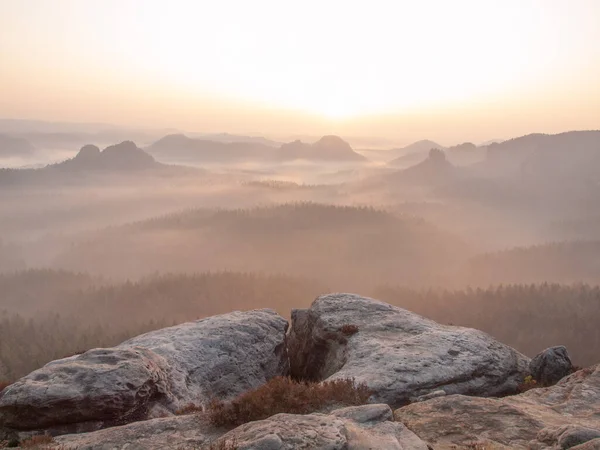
(336, 244)
(561, 262)
(181, 147)
(328, 148)
(11, 146)
(566, 155)
(435, 170)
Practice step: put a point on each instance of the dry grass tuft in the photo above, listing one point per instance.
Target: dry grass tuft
(190, 408)
(349, 329)
(284, 395)
(42, 441)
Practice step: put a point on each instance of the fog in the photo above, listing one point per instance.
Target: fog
(124, 237)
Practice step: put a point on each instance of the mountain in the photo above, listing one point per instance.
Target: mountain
(123, 156)
(231, 138)
(466, 153)
(15, 146)
(573, 154)
(422, 146)
(328, 148)
(461, 154)
(434, 170)
(332, 243)
(182, 147)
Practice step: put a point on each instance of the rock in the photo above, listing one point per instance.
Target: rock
(398, 354)
(551, 365)
(564, 415)
(151, 375)
(431, 395)
(356, 428)
(568, 436)
(180, 432)
(590, 445)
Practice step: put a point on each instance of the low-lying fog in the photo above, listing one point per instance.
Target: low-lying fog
(187, 236)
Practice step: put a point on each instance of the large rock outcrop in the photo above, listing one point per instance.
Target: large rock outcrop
(566, 415)
(398, 354)
(151, 375)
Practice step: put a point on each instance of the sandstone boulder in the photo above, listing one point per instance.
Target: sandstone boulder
(398, 354)
(566, 415)
(151, 375)
(551, 365)
(356, 428)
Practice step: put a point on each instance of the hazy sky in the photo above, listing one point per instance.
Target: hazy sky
(447, 70)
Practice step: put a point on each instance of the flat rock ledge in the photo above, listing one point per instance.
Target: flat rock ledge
(566, 415)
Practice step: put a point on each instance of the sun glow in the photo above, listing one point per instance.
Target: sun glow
(334, 59)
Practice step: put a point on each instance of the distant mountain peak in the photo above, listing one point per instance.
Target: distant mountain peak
(125, 155)
(329, 147)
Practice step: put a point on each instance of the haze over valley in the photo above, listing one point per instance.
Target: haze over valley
(166, 162)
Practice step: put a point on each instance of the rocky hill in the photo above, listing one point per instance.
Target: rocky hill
(219, 383)
(123, 156)
(328, 148)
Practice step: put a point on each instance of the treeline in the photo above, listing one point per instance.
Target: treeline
(50, 314)
(351, 246)
(28, 344)
(560, 262)
(528, 317)
(46, 314)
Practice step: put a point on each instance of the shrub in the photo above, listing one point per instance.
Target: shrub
(190, 408)
(41, 441)
(349, 330)
(284, 395)
(527, 384)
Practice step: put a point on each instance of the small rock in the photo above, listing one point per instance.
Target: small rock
(551, 365)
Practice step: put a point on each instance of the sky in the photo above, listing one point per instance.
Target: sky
(452, 71)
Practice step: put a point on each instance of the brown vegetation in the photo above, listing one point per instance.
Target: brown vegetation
(41, 441)
(284, 395)
(4, 385)
(349, 329)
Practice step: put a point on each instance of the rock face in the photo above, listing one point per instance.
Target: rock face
(566, 415)
(398, 354)
(359, 427)
(178, 432)
(151, 375)
(551, 365)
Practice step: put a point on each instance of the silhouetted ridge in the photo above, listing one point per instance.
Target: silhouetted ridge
(15, 146)
(332, 148)
(123, 156)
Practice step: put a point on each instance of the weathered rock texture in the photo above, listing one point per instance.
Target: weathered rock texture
(358, 427)
(151, 375)
(566, 415)
(551, 365)
(177, 432)
(361, 427)
(398, 354)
